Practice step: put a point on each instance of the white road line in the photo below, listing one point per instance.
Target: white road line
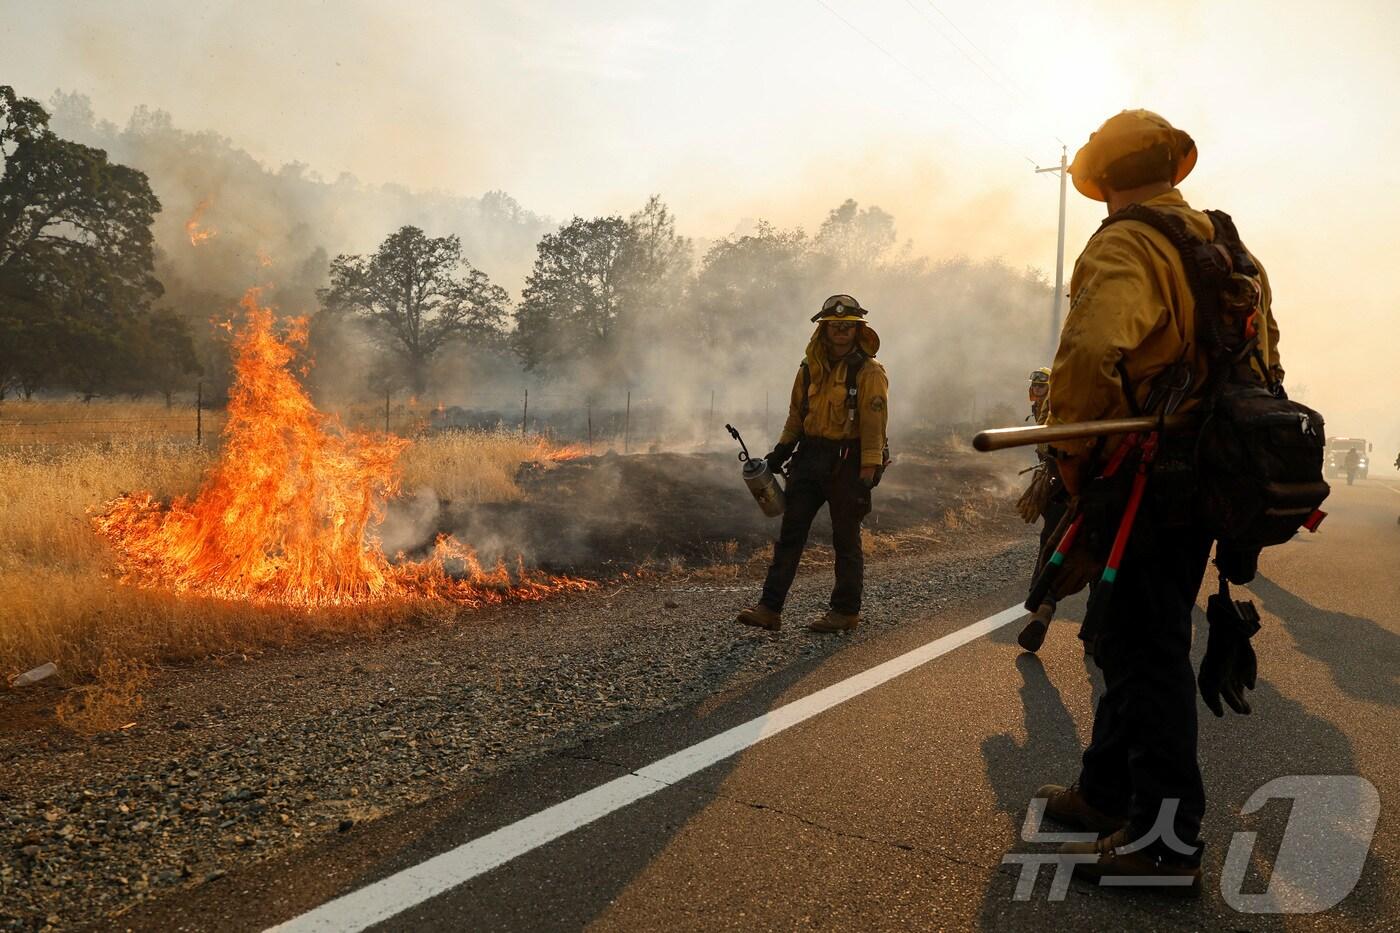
(1391, 488)
(412, 886)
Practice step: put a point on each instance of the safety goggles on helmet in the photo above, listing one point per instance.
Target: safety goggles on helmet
(840, 308)
(1040, 376)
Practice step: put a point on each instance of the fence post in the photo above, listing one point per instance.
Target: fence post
(386, 411)
(199, 414)
(710, 427)
(590, 429)
(525, 416)
(627, 423)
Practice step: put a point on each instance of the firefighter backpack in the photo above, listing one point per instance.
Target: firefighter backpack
(1258, 455)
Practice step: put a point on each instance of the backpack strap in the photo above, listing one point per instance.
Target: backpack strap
(804, 406)
(853, 367)
(1210, 266)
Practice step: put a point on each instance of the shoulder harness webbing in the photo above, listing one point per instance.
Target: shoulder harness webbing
(1217, 271)
(853, 367)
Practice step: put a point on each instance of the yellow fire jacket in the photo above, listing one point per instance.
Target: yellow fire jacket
(827, 415)
(1130, 301)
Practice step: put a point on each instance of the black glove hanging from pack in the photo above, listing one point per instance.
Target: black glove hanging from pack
(1229, 666)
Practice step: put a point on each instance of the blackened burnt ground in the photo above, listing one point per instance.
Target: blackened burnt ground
(596, 515)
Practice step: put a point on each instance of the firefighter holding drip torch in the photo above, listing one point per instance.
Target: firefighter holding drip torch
(835, 439)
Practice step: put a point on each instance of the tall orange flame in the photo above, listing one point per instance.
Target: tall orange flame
(287, 515)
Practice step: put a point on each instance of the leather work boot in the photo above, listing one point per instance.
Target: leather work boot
(1138, 869)
(835, 621)
(760, 616)
(1033, 635)
(1067, 805)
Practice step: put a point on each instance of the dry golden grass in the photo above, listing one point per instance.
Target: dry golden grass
(48, 422)
(108, 704)
(874, 544)
(471, 466)
(59, 601)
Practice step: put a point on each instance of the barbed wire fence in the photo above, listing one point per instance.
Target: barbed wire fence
(618, 419)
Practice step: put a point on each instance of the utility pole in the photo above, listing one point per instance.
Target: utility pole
(710, 425)
(1063, 170)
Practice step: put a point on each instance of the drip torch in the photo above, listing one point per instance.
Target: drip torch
(764, 485)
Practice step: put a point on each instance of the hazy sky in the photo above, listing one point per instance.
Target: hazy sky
(781, 108)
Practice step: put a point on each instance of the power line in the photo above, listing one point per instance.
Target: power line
(1014, 91)
(1008, 86)
(961, 51)
(919, 76)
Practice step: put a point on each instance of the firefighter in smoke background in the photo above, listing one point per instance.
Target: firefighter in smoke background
(835, 438)
(1131, 332)
(1045, 498)
(1038, 394)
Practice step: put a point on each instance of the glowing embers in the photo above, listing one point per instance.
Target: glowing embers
(288, 514)
(195, 230)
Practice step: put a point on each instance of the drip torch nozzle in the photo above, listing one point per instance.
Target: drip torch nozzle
(744, 448)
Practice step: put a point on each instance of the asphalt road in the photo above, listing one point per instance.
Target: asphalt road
(895, 808)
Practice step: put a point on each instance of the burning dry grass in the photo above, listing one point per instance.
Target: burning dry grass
(59, 600)
(288, 514)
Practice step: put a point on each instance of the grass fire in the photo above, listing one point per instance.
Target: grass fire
(288, 513)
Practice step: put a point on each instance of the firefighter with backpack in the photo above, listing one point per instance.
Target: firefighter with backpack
(1169, 314)
(835, 438)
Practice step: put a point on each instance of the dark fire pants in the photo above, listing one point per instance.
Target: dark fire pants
(1143, 750)
(821, 474)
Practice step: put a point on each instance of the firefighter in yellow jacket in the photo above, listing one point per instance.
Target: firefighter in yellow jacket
(835, 437)
(1128, 344)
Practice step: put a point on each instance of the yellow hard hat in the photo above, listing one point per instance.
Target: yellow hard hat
(1125, 134)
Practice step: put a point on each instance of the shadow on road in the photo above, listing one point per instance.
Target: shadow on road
(1363, 655)
(1051, 753)
(1238, 757)
(1281, 738)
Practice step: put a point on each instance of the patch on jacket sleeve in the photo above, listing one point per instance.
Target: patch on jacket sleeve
(877, 404)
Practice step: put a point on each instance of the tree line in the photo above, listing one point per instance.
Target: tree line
(77, 289)
(606, 295)
(609, 301)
